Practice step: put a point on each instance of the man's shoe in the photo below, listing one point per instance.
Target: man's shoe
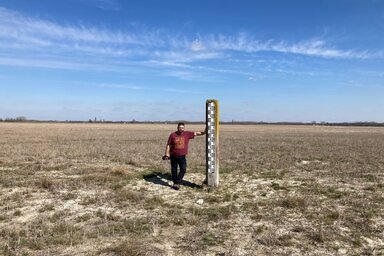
(175, 186)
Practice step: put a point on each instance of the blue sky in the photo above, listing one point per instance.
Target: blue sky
(287, 60)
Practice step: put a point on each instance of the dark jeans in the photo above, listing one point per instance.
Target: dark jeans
(180, 161)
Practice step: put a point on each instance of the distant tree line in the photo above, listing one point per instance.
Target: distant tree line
(233, 122)
(307, 123)
(17, 119)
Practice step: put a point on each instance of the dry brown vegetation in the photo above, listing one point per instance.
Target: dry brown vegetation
(102, 189)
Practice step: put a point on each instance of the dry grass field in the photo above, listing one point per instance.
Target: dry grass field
(102, 189)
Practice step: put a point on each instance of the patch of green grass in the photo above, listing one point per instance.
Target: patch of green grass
(213, 213)
(134, 247)
(84, 217)
(285, 240)
(99, 179)
(89, 200)
(316, 236)
(331, 216)
(45, 183)
(298, 229)
(272, 174)
(335, 193)
(47, 207)
(250, 206)
(16, 197)
(369, 177)
(154, 203)
(118, 172)
(292, 202)
(210, 239)
(39, 235)
(331, 192)
(139, 226)
(229, 197)
(212, 199)
(69, 196)
(277, 186)
(270, 237)
(64, 233)
(123, 197)
(3, 217)
(58, 216)
(17, 212)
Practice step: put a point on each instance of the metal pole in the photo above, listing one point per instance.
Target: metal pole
(212, 143)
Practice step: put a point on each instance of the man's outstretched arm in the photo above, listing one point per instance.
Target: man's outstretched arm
(201, 133)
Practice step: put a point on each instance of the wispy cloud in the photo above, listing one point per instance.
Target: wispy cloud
(180, 91)
(197, 46)
(136, 87)
(127, 86)
(246, 43)
(34, 42)
(110, 5)
(16, 28)
(121, 86)
(318, 48)
(47, 63)
(364, 85)
(185, 56)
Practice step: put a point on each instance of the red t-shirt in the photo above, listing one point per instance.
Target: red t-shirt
(179, 143)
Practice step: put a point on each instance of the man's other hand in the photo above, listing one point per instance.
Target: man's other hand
(165, 157)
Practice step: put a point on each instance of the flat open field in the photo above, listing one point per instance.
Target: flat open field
(102, 189)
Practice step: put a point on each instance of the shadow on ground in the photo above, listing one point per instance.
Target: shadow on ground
(164, 179)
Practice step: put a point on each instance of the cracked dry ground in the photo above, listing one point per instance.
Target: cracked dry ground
(101, 189)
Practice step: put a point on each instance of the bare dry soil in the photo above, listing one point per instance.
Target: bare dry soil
(102, 189)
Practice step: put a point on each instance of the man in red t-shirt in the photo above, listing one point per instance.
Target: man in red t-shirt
(176, 150)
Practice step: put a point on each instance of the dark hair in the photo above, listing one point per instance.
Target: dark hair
(181, 123)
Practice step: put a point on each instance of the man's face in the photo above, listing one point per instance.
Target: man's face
(180, 128)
